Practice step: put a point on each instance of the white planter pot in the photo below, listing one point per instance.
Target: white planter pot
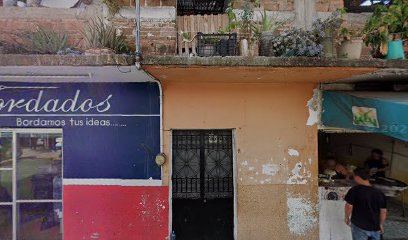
(33, 3)
(350, 49)
(244, 48)
(9, 3)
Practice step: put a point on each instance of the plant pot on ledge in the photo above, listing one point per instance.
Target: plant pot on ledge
(328, 43)
(350, 49)
(395, 50)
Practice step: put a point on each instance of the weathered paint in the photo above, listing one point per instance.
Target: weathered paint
(293, 152)
(314, 107)
(268, 119)
(299, 174)
(270, 169)
(301, 215)
(114, 212)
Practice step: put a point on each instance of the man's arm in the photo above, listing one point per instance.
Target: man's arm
(348, 208)
(386, 164)
(383, 216)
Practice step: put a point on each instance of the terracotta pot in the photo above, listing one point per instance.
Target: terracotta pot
(350, 49)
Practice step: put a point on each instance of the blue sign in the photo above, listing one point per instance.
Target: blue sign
(110, 130)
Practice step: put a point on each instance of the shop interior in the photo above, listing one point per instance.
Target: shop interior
(351, 150)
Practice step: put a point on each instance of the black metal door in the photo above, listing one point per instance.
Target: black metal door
(202, 184)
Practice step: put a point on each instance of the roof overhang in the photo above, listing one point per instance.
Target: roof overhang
(73, 74)
(269, 69)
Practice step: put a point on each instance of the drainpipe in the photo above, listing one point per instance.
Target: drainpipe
(138, 52)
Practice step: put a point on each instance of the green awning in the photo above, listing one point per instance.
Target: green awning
(379, 112)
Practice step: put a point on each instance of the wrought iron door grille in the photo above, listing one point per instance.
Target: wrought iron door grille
(202, 164)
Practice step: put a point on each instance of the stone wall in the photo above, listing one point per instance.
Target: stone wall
(328, 5)
(158, 32)
(14, 21)
(158, 27)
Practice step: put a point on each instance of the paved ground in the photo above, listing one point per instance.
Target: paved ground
(396, 226)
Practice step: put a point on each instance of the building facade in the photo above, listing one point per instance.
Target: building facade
(165, 144)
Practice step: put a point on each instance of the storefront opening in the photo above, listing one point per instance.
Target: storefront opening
(31, 184)
(351, 150)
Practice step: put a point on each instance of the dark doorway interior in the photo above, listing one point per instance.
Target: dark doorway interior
(202, 183)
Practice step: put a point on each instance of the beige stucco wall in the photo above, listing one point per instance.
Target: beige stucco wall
(274, 146)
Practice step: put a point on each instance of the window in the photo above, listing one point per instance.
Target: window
(30, 185)
(364, 5)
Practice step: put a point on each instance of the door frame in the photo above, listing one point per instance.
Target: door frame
(14, 132)
(234, 177)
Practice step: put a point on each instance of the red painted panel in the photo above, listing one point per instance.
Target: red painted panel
(115, 213)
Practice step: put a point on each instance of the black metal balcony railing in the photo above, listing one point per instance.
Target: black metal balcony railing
(195, 7)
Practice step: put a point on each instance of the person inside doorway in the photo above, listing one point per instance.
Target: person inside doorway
(377, 164)
(365, 208)
(335, 169)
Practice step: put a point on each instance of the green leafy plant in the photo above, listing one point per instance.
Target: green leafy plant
(267, 24)
(386, 23)
(113, 6)
(233, 22)
(43, 41)
(246, 23)
(346, 34)
(396, 19)
(99, 34)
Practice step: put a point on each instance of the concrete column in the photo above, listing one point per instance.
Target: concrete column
(305, 11)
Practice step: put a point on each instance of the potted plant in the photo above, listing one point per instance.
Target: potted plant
(349, 43)
(386, 29)
(297, 42)
(327, 29)
(101, 38)
(396, 19)
(245, 24)
(265, 30)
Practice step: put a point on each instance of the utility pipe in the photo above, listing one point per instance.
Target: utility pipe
(138, 52)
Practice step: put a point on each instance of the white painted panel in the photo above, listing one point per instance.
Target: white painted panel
(332, 226)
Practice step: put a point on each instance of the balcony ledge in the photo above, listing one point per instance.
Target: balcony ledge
(273, 62)
(271, 69)
(65, 60)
